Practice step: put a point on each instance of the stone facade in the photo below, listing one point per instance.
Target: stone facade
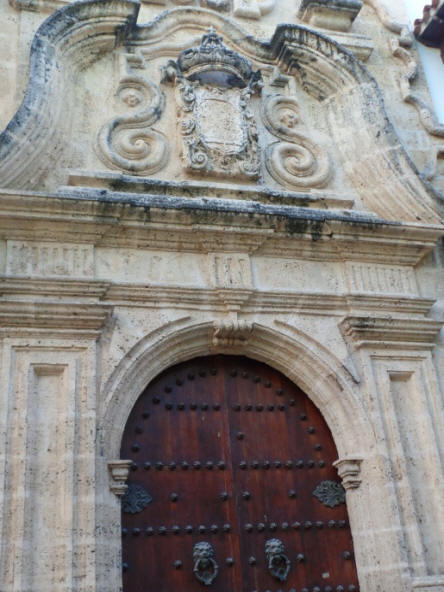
(215, 181)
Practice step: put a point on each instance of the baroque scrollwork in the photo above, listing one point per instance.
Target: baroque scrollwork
(214, 86)
(128, 142)
(296, 161)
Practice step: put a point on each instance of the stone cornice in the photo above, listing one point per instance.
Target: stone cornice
(390, 331)
(50, 287)
(206, 224)
(108, 183)
(101, 297)
(59, 318)
(38, 5)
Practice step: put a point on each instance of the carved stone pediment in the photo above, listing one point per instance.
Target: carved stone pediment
(317, 123)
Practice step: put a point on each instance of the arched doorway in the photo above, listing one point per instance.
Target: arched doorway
(228, 452)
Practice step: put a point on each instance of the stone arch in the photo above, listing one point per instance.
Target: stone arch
(298, 356)
(374, 522)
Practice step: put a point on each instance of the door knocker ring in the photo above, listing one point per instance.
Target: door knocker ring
(205, 567)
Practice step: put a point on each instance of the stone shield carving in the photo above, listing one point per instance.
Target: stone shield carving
(218, 132)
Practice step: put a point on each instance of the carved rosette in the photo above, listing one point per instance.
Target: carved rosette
(294, 161)
(218, 132)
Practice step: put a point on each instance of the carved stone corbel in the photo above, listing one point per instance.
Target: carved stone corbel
(233, 332)
(118, 472)
(349, 470)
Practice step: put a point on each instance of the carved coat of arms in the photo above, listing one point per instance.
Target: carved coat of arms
(214, 86)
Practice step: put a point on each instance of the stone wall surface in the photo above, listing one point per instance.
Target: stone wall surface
(179, 179)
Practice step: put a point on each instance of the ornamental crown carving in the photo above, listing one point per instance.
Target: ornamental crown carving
(201, 63)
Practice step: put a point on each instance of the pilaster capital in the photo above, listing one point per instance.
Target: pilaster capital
(378, 331)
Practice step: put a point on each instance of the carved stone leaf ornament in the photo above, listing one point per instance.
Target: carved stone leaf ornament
(128, 142)
(297, 161)
(214, 85)
(136, 499)
(330, 493)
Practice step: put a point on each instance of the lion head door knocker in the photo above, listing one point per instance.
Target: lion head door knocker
(205, 567)
(278, 563)
(214, 86)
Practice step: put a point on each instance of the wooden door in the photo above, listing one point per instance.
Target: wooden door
(227, 451)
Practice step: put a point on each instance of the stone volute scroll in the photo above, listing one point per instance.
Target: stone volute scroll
(217, 127)
(128, 142)
(295, 161)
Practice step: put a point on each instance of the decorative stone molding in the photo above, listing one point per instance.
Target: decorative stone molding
(61, 318)
(249, 9)
(361, 46)
(400, 29)
(118, 472)
(252, 9)
(38, 5)
(73, 38)
(85, 180)
(383, 174)
(297, 161)
(53, 287)
(349, 470)
(283, 228)
(29, 258)
(383, 279)
(330, 14)
(129, 142)
(379, 331)
(428, 584)
(231, 270)
(231, 333)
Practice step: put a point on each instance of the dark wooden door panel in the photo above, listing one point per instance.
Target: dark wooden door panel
(230, 452)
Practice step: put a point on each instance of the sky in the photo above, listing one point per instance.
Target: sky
(432, 63)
